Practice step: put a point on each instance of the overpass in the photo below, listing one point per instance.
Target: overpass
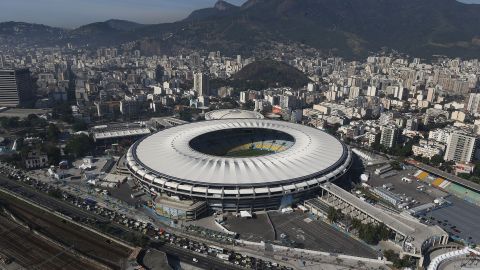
(432, 170)
(413, 237)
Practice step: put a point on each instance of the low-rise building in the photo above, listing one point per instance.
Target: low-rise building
(427, 150)
(36, 159)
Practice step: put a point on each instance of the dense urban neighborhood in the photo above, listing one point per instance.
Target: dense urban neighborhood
(283, 157)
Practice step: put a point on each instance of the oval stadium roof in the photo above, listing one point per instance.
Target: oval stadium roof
(168, 155)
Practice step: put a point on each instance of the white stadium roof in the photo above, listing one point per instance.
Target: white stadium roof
(232, 114)
(168, 155)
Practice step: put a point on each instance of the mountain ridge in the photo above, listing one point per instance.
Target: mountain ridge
(350, 28)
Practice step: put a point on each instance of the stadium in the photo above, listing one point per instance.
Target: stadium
(238, 164)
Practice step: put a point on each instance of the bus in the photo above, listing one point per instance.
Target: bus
(383, 169)
(215, 249)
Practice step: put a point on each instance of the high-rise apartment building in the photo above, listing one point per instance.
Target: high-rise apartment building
(473, 105)
(389, 136)
(461, 148)
(431, 94)
(201, 84)
(16, 87)
(371, 91)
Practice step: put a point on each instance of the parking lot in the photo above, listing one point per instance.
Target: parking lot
(251, 229)
(298, 229)
(314, 234)
(461, 219)
(407, 189)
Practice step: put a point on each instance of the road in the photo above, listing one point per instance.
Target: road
(203, 261)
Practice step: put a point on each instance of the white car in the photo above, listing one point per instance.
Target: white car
(195, 260)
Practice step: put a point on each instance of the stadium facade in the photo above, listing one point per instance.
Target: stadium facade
(238, 164)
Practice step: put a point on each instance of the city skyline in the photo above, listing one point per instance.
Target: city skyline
(72, 14)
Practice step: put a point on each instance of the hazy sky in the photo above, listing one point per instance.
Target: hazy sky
(73, 13)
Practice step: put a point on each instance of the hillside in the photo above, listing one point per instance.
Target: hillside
(17, 33)
(262, 74)
(350, 28)
(221, 8)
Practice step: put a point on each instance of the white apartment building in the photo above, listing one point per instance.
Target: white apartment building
(426, 151)
(440, 135)
(461, 148)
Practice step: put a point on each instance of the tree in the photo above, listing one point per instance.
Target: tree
(396, 165)
(79, 146)
(383, 232)
(393, 257)
(249, 105)
(52, 133)
(436, 160)
(79, 125)
(334, 214)
(53, 153)
(186, 115)
(9, 122)
(63, 112)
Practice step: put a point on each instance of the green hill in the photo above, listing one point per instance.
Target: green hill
(268, 73)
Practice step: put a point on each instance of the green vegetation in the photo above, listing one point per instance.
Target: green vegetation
(186, 114)
(32, 121)
(334, 215)
(63, 112)
(268, 73)
(370, 233)
(79, 146)
(399, 150)
(406, 261)
(396, 165)
(475, 176)
(53, 153)
(79, 125)
(52, 133)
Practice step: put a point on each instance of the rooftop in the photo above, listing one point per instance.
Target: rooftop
(404, 224)
(232, 114)
(168, 154)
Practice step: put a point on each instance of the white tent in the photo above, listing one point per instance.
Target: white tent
(245, 214)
